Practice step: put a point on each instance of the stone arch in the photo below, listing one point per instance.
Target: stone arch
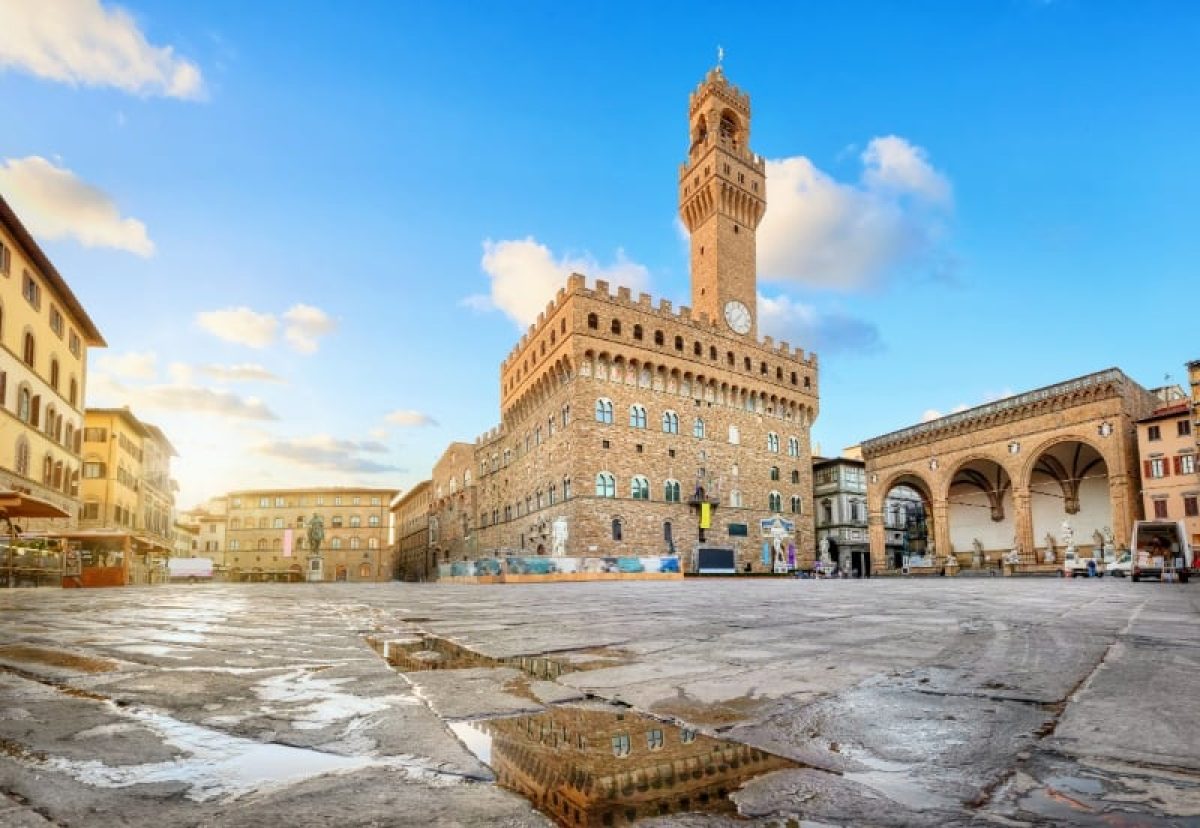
(983, 511)
(935, 533)
(1070, 480)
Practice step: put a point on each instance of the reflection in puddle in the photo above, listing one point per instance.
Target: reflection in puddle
(594, 766)
(216, 765)
(428, 652)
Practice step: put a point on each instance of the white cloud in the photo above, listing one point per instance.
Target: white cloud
(988, 396)
(240, 325)
(408, 418)
(930, 414)
(178, 397)
(305, 325)
(242, 372)
(525, 277)
(130, 365)
(80, 42)
(325, 453)
(54, 203)
(803, 326)
(891, 163)
(824, 233)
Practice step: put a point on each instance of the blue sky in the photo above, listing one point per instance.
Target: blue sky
(279, 217)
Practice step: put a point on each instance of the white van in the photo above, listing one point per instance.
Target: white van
(1160, 546)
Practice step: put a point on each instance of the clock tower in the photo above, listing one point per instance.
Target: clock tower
(722, 198)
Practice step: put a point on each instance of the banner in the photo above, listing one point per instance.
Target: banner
(705, 515)
(287, 543)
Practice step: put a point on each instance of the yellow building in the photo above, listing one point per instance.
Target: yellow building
(45, 334)
(266, 534)
(410, 525)
(127, 485)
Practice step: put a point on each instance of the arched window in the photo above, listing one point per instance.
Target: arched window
(372, 543)
(566, 488)
(617, 529)
(639, 488)
(671, 491)
(697, 349)
(355, 543)
(552, 493)
(262, 543)
(796, 505)
(775, 502)
(827, 510)
(373, 521)
(735, 498)
(47, 469)
(637, 332)
(336, 543)
(22, 458)
(616, 327)
(593, 322)
(698, 428)
(774, 472)
(668, 534)
(28, 353)
(773, 442)
(606, 485)
(637, 416)
(355, 521)
(604, 410)
(793, 447)
(679, 343)
(277, 544)
(795, 476)
(670, 422)
(54, 374)
(658, 338)
(73, 396)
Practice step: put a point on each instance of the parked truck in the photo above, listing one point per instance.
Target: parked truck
(190, 569)
(1160, 547)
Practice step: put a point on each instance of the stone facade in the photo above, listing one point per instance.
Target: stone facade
(44, 337)
(259, 523)
(1170, 470)
(410, 525)
(619, 416)
(840, 514)
(1021, 473)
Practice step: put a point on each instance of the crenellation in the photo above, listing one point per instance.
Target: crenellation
(623, 293)
(645, 301)
(601, 289)
(664, 307)
(768, 343)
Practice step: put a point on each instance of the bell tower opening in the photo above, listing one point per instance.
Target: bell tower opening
(722, 199)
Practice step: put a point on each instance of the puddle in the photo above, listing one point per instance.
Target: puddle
(429, 652)
(56, 658)
(896, 781)
(599, 766)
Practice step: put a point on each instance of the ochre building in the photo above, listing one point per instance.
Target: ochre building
(44, 337)
(410, 530)
(266, 534)
(1170, 473)
(625, 421)
(1026, 474)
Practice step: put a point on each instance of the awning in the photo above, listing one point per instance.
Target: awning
(20, 505)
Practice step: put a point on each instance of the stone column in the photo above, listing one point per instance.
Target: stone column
(1123, 503)
(1023, 519)
(876, 531)
(941, 529)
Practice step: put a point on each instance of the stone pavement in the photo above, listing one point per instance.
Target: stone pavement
(900, 702)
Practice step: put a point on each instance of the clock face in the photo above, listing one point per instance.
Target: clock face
(737, 316)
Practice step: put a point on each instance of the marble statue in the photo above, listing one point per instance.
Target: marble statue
(1068, 535)
(976, 553)
(1049, 554)
(559, 538)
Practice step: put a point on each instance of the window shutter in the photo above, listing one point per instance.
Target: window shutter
(1166, 467)
(35, 410)
(1178, 464)
(1146, 469)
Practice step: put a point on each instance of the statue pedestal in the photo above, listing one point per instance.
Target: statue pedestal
(315, 570)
